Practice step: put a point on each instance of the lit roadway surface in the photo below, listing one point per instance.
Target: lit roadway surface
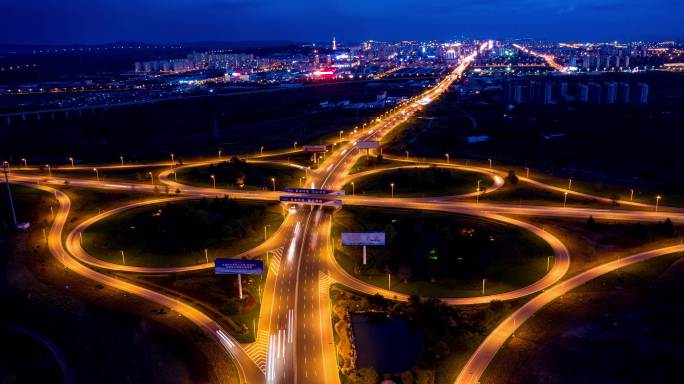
(550, 60)
(478, 362)
(295, 340)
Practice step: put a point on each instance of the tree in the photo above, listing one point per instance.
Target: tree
(512, 178)
(364, 376)
(591, 223)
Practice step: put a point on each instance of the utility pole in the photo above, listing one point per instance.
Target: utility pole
(5, 168)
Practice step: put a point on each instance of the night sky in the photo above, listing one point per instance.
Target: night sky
(164, 21)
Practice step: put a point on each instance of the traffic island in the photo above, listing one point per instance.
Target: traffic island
(182, 233)
(417, 181)
(423, 347)
(434, 254)
(236, 173)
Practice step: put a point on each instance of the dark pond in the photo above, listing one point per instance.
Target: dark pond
(385, 343)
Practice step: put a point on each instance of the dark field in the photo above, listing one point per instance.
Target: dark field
(236, 124)
(627, 146)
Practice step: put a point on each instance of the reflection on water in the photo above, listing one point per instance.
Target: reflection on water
(385, 343)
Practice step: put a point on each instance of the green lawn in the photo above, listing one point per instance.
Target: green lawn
(176, 234)
(412, 182)
(242, 174)
(440, 255)
(366, 163)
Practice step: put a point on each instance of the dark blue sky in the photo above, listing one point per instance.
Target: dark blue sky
(98, 21)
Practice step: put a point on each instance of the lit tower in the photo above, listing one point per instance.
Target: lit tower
(334, 44)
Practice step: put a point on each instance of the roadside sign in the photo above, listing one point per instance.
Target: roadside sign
(309, 200)
(314, 148)
(309, 191)
(363, 238)
(368, 145)
(238, 267)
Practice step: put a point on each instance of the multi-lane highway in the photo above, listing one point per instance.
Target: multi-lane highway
(295, 342)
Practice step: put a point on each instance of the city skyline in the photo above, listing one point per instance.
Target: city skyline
(76, 22)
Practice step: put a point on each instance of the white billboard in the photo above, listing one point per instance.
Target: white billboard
(363, 238)
(368, 144)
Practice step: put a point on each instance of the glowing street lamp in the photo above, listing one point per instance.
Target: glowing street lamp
(447, 157)
(97, 174)
(23, 159)
(273, 181)
(295, 145)
(569, 183)
(392, 186)
(71, 159)
(151, 177)
(565, 199)
(261, 150)
(407, 155)
(631, 194)
(219, 155)
(173, 162)
(341, 132)
(213, 179)
(490, 163)
(353, 191)
(49, 170)
(122, 162)
(657, 201)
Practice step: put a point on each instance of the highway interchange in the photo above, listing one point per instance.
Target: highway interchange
(295, 342)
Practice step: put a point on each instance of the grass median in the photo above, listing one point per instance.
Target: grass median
(177, 233)
(441, 255)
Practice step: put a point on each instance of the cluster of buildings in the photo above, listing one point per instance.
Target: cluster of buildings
(369, 59)
(550, 92)
(195, 61)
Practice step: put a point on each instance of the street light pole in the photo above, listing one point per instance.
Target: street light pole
(213, 179)
(483, 286)
(97, 174)
(569, 183)
(219, 155)
(657, 201)
(173, 161)
(49, 170)
(565, 199)
(407, 155)
(447, 157)
(151, 177)
(631, 194)
(24, 160)
(490, 163)
(273, 181)
(123, 257)
(527, 172)
(265, 231)
(121, 158)
(71, 159)
(261, 150)
(392, 186)
(9, 192)
(353, 191)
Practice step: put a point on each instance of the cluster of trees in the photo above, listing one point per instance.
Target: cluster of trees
(233, 171)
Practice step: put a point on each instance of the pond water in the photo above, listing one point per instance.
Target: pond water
(385, 343)
(477, 139)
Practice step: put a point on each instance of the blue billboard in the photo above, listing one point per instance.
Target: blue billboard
(238, 267)
(310, 191)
